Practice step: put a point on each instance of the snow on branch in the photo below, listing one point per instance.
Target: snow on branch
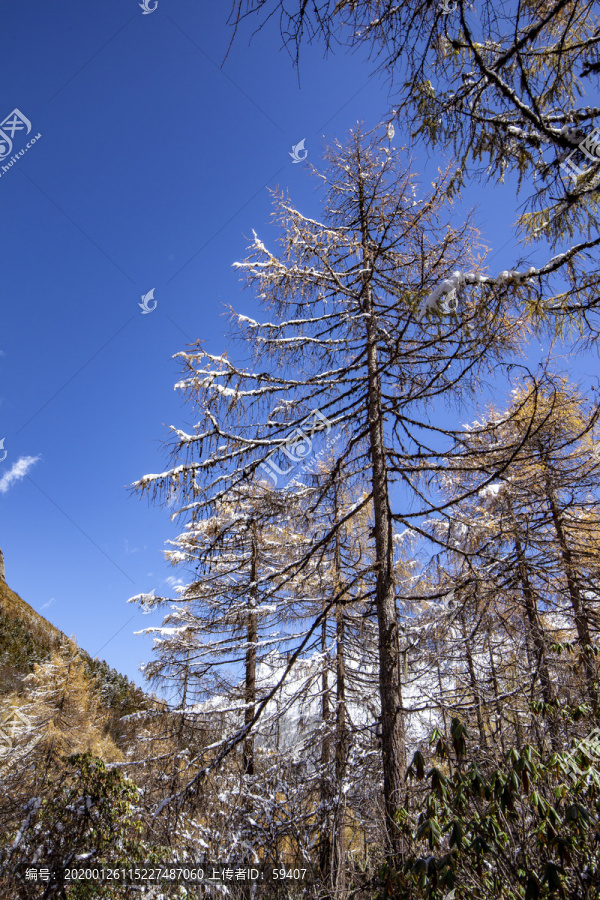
(450, 286)
(148, 602)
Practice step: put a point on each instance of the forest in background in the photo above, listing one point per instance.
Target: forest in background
(383, 663)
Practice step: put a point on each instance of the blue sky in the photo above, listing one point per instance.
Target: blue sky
(151, 171)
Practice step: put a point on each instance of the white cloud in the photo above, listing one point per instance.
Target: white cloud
(172, 581)
(49, 603)
(18, 471)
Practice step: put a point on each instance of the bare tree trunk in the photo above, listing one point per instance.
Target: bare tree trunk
(441, 686)
(325, 785)
(339, 832)
(474, 684)
(581, 621)
(519, 731)
(499, 729)
(339, 865)
(392, 721)
(251, 641)
(539, 643)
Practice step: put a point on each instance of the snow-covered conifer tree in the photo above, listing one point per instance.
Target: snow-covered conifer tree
(500, 89)
(524, 550)
(350, 348)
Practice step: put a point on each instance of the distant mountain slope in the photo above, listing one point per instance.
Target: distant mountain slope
(26, 638)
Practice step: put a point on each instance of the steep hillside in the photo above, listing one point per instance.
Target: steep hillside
(26, 638)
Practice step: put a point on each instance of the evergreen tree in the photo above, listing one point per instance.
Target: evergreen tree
(353, 340)
(503, 89)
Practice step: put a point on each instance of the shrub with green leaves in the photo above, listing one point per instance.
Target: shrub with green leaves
(527, 830)
(89, 818)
